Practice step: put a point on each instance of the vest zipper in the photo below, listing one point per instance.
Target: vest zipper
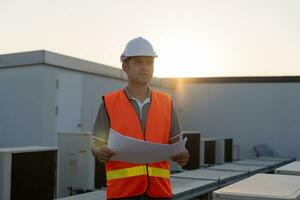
(144, 136)
(148, 178)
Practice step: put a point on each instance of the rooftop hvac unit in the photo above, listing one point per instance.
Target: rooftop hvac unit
(228, 149)
(28, 173)
(289, 169)
(76, 162)
(208, 151)
(224, 150)
(262, 187)
(216, 151)
(193, 146)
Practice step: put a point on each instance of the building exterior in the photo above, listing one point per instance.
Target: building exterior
(42, 93)
(251, 110)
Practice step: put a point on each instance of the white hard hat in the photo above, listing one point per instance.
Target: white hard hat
(138, 47)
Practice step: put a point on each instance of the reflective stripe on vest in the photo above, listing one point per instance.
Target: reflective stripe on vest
(137, 171)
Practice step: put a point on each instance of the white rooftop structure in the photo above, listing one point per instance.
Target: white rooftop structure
(43, 93)
(223, 177)
(49, 58)
(262, 187)
(289, 169)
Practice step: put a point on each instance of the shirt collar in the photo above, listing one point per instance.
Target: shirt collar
(130, 95)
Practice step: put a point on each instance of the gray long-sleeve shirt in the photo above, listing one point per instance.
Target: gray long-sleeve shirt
(102, 125)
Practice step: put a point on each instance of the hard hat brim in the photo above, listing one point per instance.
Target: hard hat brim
(123, 58)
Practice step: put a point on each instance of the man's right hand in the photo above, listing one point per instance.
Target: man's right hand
(102, 153)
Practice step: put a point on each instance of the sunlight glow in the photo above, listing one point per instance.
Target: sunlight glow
(184, 57)
(194, 39)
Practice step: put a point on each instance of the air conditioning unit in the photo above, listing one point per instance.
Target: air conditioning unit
(208, 152)
(28, 173)
(224, 150)
(193, 146)
(216, 150)
(262, 186)
(228, 149)
(76, 162)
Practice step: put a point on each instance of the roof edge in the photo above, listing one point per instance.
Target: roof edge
(242, 79)
(23, 59)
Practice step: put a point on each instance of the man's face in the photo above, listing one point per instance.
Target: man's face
(139, 69)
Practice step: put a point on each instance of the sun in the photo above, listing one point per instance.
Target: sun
(183, 58)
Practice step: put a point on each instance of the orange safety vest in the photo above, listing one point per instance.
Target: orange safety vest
(124, 179)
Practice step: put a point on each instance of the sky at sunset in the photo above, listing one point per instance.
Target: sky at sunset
(193, 38)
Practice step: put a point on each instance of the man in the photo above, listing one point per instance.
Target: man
(142, 113)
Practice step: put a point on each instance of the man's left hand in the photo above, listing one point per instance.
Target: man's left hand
(182, 158)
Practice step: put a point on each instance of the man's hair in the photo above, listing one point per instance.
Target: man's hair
(126, 61)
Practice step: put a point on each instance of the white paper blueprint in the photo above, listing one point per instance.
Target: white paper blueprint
(138, 151)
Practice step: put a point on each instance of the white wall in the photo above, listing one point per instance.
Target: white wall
(69, 101)
(94, 87)
(251, 113)
(27, 104)
(29, 96)
(21, 92)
